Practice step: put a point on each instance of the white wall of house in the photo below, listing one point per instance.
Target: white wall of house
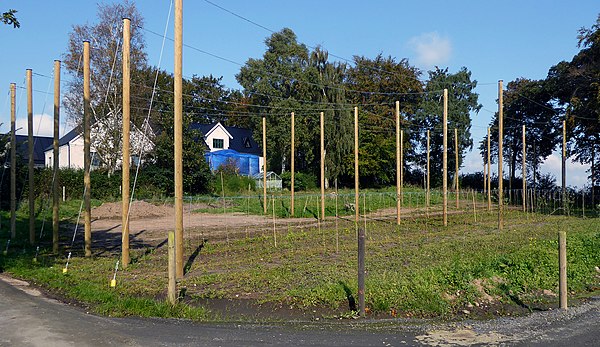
(69, 155)
(218, 132)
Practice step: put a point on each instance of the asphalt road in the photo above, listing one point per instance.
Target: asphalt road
(28, 318)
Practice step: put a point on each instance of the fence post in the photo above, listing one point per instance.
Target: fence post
(361, 271)
(562, 268)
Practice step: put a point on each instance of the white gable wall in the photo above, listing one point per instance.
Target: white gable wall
(218, 132)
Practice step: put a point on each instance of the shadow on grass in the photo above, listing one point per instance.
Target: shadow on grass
(192, 258)
(349, 296)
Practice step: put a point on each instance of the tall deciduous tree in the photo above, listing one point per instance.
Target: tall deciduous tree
(105, 38)
(462, 101)
(376, 84)
(529, 103)
(9, 18)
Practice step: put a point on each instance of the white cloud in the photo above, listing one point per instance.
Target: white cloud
(576, 172)
(42, 125)
(431, 49)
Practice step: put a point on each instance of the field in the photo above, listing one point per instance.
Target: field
(241, 265)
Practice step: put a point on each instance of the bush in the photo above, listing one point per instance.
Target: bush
(234, 184)
(302, 181)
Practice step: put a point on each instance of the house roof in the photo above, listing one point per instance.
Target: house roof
(242, 140)
(39, 144)
(75, 132)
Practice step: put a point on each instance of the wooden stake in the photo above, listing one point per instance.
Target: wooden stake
(264, 144)
(56, 163)
(13, 163)
(489, 172)
(178, 127)
(562, 267)
(500, 155)
(456, 164)
(356, 201)
(322, 120)
(524, 172)
(172, 286)
(274, 231)
(87, 112)
(361, 272)
(445, 159)
(125, 160)
(30, 141)
(398, 160)
(293, 161)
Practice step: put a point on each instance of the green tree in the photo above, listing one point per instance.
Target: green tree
(376, 85)
(9, 18)
(462, 101)
(526, 102)
(576, 90)
(105, 38)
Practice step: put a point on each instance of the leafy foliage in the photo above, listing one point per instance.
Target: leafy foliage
(9, 18)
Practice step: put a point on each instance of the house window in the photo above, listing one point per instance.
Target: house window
(218, 143)
(247, 143)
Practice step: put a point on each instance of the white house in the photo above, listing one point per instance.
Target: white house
(70, 147)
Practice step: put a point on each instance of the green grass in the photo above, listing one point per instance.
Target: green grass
(418, 268)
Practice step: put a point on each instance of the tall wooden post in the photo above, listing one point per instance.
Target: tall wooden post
(293, 163)
(456, 164)
(500, 155)
(13, 163)
(489, 172)
(398, 170)
(484, 177)
(401, 167)
(562, 268)
(30, 147)
(361, 272)
(172, 271)
(428, 196)
(126, 156)
(524, 172)
(322, 119)
(55, 154)
(264, 145)
(445, 159)
(86, 150)
(356, 198)
(178, 127)
(564, 167)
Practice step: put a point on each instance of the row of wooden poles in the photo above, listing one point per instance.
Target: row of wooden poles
(175, 238)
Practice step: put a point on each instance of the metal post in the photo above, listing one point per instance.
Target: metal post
(30, 141)
(126, 155)
(178, 127)
(86, 150)
(55, 154)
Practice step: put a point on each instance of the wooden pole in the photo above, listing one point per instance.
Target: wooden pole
(484, 178)
(524, 172)
(178, 127)
(30, 141)
(500, 139)
(361, 272)
(13, 163)
(401, 167)
(398, 173)
(445, 159)
(55, 154)
(126, 156)
(322, 120)
(293, 163)
(356, 202)
(489, 172)
(564, 167)
(172, 286)
(264, 145)
(456, 164)
(428, 193)
(562, 268)
(86, 150)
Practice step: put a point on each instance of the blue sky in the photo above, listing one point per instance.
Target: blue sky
(494, 40)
